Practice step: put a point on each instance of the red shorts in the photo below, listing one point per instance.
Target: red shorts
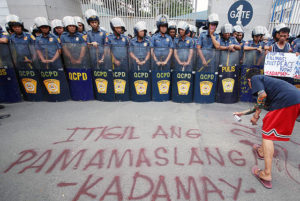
(278, 124)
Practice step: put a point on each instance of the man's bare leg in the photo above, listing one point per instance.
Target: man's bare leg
(268, 152)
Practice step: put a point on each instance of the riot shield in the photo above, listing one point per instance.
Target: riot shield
(120, 58)
(101, 62)
(52, 72)
(228, 72)
(182, 77)
(77, 63)
(140, 77)
(28, 70)
(206, 75)
(161, 73)
(9, 87)
(251, 59)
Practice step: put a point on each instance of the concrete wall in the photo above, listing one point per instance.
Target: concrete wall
(261, 12)
(29, 9)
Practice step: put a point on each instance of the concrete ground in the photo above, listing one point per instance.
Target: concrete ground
(95, 150)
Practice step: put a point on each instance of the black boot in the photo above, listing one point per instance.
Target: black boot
(1, 107)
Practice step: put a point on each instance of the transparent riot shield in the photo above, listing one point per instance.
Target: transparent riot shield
(182, 77)
(140, 77)
(251, 59)
(161, 73)
(120, 61)
(228, 77)
(77, 63)
(206, 75)
(28, 71)
(9, 87)
(101, 62)
(52, 71)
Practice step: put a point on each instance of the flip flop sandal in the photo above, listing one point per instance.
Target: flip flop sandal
(265, 183)
(255, 148)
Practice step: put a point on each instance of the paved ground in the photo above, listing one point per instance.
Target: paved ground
(137, 151)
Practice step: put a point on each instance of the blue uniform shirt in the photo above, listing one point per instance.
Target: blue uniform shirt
(295, 43)
(160, 41)
(187, 42)
(4, 34)
(98, 36)
(139, 49)
(205, 40)
(280, 94)
(77, 37)
(296, 48)
(49, 43)
(251, 43)
(230, 41)
(118, 46)
(22, 44)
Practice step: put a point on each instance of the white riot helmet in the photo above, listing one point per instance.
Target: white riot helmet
(117, 22)
(213, 19)
(91, 15)
(69, 20)
(140, 26)
(226, 28)
(56, 23)
(258, 30)
(172, 25)
(41, 21)
(12, 20)
(238, 28)
(193, 28)
(78, 19)
(184, 26)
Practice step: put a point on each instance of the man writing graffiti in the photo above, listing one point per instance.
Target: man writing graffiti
(283, 102)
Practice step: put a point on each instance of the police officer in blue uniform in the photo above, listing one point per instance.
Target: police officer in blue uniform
(295, 44)
(228, 42)
(207, 42)
(58, 27)
(183, 48)
(47, 45)
(21, 42)
(255, 43)
(162, 45)
(193, 31)
(96, 39)
(80, 23)
(239, 35)
(139, 48)
(172, 29)
(118, 44)
(74, 44)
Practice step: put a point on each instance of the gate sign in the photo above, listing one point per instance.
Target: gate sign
(240, 12)
(282, 65)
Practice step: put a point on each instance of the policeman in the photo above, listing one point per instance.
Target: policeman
(58, 27)
(47, 45)
(73, 42)
(172, 29)
(139, 47)
(255, 43)
(296, 44)
(81, 28)
(161, 44)
(193, 31)
(183, 48)
(21, 42)
(227, 42)
(95, 37)
(239, 35)
(118, 43)
(208, 40)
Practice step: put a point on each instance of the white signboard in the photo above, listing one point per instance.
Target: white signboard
(282, 65)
